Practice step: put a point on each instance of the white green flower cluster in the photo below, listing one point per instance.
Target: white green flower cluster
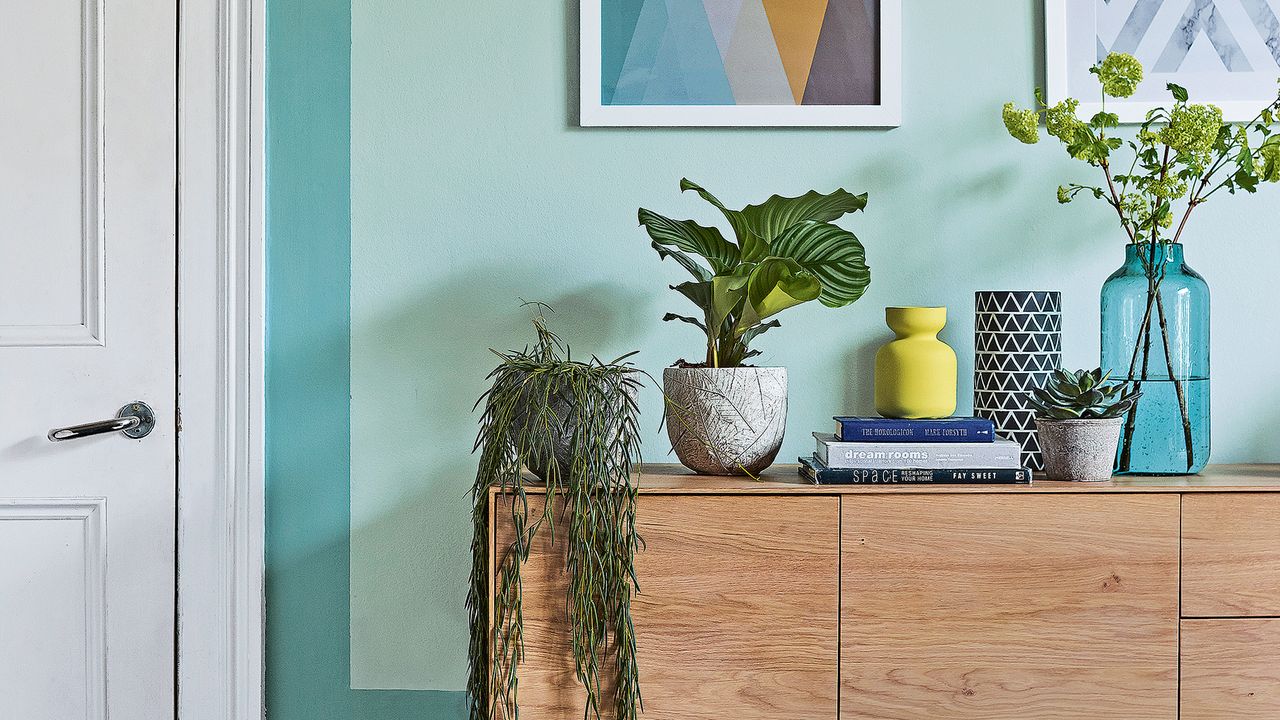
(1192, 129)
(1022, 124)
(1186, 153)
(1120, 74)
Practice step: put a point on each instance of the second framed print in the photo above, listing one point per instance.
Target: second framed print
(1224, 52)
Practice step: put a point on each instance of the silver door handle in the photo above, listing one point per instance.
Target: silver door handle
(135, 420)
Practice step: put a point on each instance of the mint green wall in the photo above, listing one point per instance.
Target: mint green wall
(471, 187)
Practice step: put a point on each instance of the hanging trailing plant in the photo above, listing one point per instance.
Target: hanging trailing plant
(574, 423)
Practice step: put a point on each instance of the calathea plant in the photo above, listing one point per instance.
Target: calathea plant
(785, 251)
(575, 424)
(1178, 158)
(725, 418)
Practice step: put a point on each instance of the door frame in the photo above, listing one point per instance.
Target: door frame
(221, 340)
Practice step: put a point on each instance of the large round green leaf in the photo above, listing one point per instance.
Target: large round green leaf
(757, 225)
(832, 254)
(776, 215)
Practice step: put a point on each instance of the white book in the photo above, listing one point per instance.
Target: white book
(917, 456)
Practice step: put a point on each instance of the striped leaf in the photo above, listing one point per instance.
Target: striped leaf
(691, 237)
(771, 218)
(756, 226)
(697, 271)
(832, 254)
(752, 246)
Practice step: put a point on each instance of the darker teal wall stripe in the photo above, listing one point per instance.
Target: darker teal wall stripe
(308, 377)
(308, 366)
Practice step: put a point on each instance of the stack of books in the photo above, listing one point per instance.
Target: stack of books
(884, 450)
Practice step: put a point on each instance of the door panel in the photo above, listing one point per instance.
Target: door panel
(1230, 555)
(54, 602)
(736, 618)
(1009, 607)
(51, 277)
(1231, 669)
(87, 325)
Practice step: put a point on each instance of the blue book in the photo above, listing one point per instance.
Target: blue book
(941, 430)
(813, 470)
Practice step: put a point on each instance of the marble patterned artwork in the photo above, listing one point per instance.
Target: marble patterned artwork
(1128, 25)
(1223, 51)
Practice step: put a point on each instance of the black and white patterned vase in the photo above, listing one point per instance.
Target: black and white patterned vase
(1017, 344)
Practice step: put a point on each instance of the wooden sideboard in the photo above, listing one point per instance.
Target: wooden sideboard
(1140, 598)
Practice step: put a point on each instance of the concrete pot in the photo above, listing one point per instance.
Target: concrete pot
(1079, 450)
(726, 421)
(560, 401)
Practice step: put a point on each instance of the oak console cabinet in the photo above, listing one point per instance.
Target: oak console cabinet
(1143, 598)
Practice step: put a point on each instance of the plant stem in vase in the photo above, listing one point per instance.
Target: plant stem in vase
(1179, 156)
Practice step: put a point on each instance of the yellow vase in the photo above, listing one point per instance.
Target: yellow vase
(916, 373)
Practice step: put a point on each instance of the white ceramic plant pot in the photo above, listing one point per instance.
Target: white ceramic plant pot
(1079, 450)
(726, 421)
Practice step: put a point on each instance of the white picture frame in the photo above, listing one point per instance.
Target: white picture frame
(888, 113)
(1074, 36)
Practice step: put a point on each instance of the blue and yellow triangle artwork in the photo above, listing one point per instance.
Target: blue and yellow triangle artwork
(739, 52)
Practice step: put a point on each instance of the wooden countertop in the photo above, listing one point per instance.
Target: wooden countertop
(784, 480)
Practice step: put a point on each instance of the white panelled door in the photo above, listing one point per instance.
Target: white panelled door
(87, 315)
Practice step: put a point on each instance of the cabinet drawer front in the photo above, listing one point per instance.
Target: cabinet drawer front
(1009, 607)
(736, 618)
(1231, 555)
(1231, 669)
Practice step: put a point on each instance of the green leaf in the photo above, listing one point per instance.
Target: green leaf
(757, 225)
(755, 332)
(684, 319)
(775, 285)
(727, 295)
(689, 236)
(832, 254)
(1179, 92)
(771, 218)
(685, 261)
(736, 221)
(1246, 180)
(1104, 120)
(699, 293)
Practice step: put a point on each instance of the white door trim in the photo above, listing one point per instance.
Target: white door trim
(220, 359)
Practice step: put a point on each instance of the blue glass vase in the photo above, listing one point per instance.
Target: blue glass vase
(1155, 333)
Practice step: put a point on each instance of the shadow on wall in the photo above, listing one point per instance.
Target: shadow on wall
(420, 372)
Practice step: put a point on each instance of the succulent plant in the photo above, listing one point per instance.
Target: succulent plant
(1082, 395)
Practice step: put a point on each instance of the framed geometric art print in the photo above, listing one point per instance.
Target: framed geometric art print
(741, 62)
(1224, 52)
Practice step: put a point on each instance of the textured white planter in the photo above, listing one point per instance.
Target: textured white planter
(726, 421)
(1079, 450)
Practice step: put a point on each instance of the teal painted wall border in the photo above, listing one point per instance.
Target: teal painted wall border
(308, 377)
